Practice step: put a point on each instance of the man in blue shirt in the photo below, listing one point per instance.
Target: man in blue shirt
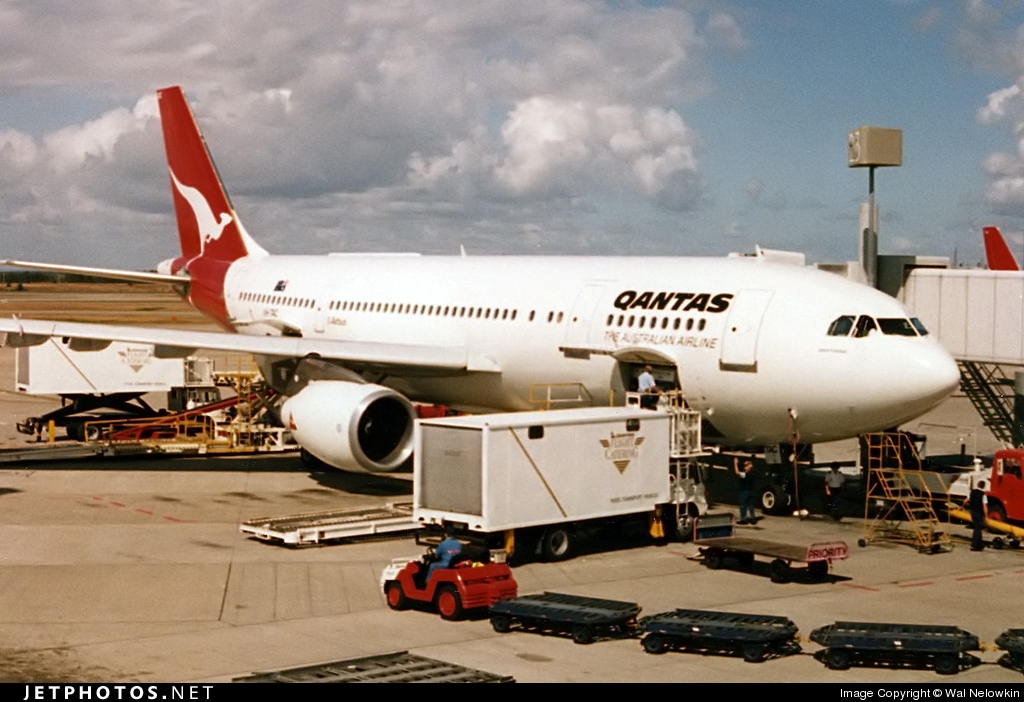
(447, 552)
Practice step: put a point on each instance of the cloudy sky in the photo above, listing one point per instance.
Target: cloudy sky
(538, 126)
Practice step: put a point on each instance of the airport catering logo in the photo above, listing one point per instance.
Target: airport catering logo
(136, 359)
(620, 449)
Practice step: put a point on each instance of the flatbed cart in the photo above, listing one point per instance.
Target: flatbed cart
(942, 648)
(1012, 641)
(715, 534)
(754, 636)
(316, 527)
(583, 618)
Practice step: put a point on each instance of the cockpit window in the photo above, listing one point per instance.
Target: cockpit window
(841, 326)
(896, 326)
(865, 325)
(919, 327)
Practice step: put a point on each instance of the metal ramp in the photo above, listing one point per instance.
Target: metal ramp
(401, 667)
(905, 492)
(990, 390)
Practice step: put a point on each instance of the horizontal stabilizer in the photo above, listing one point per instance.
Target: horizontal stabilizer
(110, 273)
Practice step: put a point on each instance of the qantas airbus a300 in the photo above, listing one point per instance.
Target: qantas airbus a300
(769, 353)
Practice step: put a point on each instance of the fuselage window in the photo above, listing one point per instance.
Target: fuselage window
(700, 324)
(896, 326)
(462, 311)
(514, 314)
(559, 320)
(504, 314)
(689, 324)
(621, 320)
(487, 313)
(611, 318)
(664, 322)
(865, 325)
(533, 313)
(631, 320)
(675, 323)
(551, 316)
(918, 326)
(640, 322)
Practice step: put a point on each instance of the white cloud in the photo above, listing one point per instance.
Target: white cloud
(328, 113)
(1001, 104)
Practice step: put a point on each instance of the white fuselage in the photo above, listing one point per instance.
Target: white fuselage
(748, 339)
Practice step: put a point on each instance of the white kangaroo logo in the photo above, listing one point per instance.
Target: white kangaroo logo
(209, 226)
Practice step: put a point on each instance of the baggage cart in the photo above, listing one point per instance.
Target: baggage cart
(754, 636)
(583, 618)
(942, 648)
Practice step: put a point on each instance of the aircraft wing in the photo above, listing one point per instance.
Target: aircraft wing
(112, 273)
(172, 343)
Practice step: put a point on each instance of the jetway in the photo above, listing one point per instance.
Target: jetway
(978, 315)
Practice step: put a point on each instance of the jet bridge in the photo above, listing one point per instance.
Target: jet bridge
(978, 315)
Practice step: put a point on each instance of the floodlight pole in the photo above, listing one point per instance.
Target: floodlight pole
(870, 147)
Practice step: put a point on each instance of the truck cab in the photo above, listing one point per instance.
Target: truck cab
(1006, 491)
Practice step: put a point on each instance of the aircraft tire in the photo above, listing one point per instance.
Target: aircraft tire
(774, 500)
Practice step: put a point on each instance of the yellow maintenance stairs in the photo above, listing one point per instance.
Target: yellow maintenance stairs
(900, 498)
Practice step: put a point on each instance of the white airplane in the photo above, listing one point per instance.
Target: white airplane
(769, 353)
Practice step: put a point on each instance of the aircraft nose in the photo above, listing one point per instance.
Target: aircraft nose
(929, 375)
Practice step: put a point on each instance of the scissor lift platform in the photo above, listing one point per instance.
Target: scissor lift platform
(316, 527)
(754, 636)
(913, 645)
(583, 618)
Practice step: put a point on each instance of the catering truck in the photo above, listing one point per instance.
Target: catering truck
(537, 482)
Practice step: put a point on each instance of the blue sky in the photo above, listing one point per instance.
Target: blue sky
(545, 126)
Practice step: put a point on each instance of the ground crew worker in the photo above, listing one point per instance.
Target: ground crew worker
(447, 552)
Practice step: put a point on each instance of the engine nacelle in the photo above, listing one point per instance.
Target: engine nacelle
(352, 426)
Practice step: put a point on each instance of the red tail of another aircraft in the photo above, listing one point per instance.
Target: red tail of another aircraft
(209, 231)
(997, 252)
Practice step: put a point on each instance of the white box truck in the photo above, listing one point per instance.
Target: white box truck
(535, 482)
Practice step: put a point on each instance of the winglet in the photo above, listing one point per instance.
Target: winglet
(997, 252)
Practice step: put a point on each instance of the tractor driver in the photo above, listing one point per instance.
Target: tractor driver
(447, 552)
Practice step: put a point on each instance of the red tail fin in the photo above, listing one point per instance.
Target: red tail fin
(997, 252)
(207, 224)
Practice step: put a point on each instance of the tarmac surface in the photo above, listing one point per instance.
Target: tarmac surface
(134, 570)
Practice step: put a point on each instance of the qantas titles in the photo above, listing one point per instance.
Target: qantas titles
(674, 301)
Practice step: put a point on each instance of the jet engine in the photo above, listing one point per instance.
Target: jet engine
(352, 426)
